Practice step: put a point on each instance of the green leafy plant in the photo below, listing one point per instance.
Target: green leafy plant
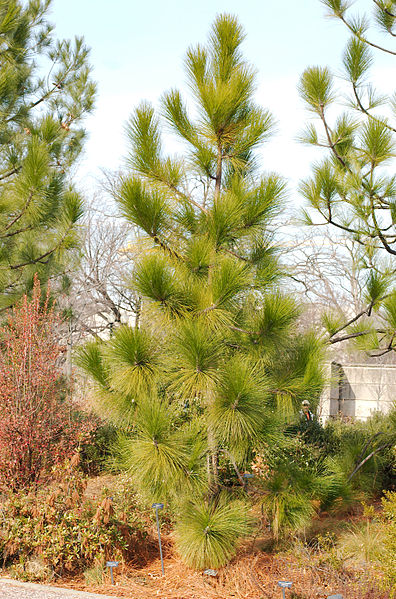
(288, 474)
(95, 574)
(362, 452)
(96, 453)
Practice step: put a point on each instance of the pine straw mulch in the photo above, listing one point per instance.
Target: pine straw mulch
(246, 577)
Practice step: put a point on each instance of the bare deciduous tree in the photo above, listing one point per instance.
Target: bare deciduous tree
(100, 297)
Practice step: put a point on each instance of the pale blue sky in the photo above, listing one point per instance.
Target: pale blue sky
(138, 50)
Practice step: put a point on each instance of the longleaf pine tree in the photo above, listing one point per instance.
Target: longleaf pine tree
(45, 92)
(217, 362)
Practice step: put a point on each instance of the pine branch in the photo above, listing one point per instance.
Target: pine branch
(234, 465)
(45, 255)
(366, 112)
(364, 39)
(23, 230)
(14, 171)
(16, 219)
(218, 172)
(372, 454)
(328, 135)
(350, 336)
(381, 234)
(385, 10)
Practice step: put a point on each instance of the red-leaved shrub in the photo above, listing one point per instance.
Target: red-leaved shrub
(39, 427)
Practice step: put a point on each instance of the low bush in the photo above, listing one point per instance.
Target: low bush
(96, 573)
(294, 480)
(67, 532)
(318, 569)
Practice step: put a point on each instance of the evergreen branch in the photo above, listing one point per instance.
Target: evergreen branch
(373, 453)
(45, 96)
(23, 230)
(346, 337)
(16, 219)
(328, 135)
(14, 171)
(384, 9)
(45, 255)
(367, 311)
(380, 233)
(56, 86)
(388, 349)
(365, 110)
(219, 168)
(232, 253)
(176, 190)
(239, 330)
(364, 39)
(185, 197)
(330, 221)
(383, 15)
(167, 248)
(382, 353)
(356, 232)
(234, 465)
(208, 309)
(329, 218)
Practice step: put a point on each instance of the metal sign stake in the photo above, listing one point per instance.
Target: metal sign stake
(111, 565)
(159, 506)
(284, 584)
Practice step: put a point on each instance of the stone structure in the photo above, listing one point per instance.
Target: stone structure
(358, 390)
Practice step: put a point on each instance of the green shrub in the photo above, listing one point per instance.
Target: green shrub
(349, 443)
(95, 574)
(295, 480)
(97, 451)
(64, 530)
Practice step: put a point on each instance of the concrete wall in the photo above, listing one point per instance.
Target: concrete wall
(358, 390)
